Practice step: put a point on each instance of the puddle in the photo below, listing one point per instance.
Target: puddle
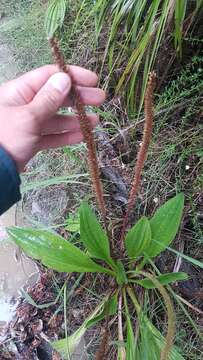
(16, 271)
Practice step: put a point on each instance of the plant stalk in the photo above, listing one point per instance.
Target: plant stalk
(86, 130)
(171, 315)
(121, 350)
(142, 154)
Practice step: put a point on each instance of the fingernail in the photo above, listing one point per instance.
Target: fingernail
(61, 82)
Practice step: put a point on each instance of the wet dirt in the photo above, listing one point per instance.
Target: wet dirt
(16, 271)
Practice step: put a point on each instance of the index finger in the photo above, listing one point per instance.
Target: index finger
(39, 77)
(31, 82)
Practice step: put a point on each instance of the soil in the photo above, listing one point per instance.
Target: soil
(28, 327)
(34, 327)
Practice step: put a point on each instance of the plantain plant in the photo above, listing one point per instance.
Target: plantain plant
(127, 272)
(143, 241)
(130, 269)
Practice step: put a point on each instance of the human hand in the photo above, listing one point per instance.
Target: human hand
(28, 111)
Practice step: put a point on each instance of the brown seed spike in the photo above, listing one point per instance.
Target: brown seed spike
(86, 130)
(142, 154)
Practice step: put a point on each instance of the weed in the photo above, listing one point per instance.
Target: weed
(176, 143)
(139, 28)
(142, 242)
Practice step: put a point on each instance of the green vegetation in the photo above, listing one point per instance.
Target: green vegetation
(23, 30)
(124, 44)
(137, 30)
(144, 241)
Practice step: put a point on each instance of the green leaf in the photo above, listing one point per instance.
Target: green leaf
(54, 251)
(93, 236)
(164, 225)
(120, 273)
(157, 341)
(73, 223)
(109, 308)
(138, 238)
(156, 337)
(131, 340)
(164, 279)
(68, 346)
(55, 16)
(188, 258)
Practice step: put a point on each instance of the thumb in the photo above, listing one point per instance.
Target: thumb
(51, 96)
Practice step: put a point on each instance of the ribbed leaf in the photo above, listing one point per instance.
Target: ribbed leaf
(55, 16)
(53, 251)
(154, 341)
(138, 238)
(154, 335)
(93, 236)
(164, 279)
(164, 225)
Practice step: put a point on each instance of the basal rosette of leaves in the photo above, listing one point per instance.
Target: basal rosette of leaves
(145, 240)
(137, 248)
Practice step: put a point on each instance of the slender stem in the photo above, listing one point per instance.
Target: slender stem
(192, 322)
(122, 351)
(132, 337)
(134, 300)
(86, 130)
(65, 319)
(142, 154)
(171, 315)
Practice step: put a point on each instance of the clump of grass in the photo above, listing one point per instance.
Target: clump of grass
(136, 32)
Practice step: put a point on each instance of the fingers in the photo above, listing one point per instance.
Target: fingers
(89, 95)
(69, 123)
(22, 90)
(50, 98)
(55, 141)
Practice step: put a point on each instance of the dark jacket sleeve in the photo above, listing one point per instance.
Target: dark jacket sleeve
(9, 182)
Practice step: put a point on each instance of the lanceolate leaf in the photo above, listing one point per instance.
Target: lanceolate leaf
(164, 225)
(66, 347)
(55, 16)
(164, 279)
(131, 340)
(93, 236)
(159, 341)
(69, 345)
(109, 308)
(156, 336)
(53, 251)
(138, 238)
